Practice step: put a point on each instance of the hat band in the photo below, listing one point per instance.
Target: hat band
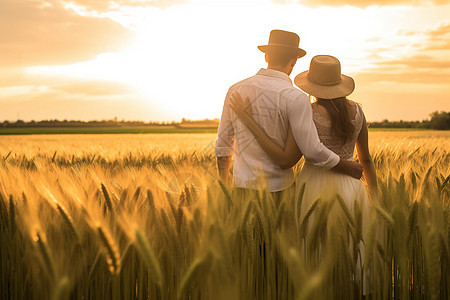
(324, 83)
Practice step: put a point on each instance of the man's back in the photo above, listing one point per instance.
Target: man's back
(269, 91)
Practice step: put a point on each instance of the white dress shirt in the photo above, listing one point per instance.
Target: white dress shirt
(276, 103)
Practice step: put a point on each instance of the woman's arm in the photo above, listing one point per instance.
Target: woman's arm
(285, 158)
(362, 147)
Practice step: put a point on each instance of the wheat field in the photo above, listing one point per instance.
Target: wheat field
(146, 217)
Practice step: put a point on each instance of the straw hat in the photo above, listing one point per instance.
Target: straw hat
(324, 79)
(280, 39)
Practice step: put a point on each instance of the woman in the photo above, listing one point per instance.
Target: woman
(340, 124)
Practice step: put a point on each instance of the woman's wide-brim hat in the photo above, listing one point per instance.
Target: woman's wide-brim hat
(324, 79)
(283, 40)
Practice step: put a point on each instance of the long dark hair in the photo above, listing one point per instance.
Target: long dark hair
(341, 121)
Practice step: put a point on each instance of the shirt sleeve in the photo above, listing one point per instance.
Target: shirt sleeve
(305, 132)
(225, 134)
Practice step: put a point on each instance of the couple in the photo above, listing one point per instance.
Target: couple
(267, 125)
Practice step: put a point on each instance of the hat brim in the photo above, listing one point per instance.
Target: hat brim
(343, 89)
(266, 48)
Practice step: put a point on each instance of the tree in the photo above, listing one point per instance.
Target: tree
(440, 120)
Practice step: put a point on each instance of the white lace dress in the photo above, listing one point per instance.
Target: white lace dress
(322, 183)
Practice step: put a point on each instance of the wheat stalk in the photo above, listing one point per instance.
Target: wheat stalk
(346, 211)
(149, 256)
(108, 201)
(12, 216)
(196, 270)
(384, 215)
(62, 289)
(112, 252)
(46, 256)
(69, 221)
(304, 222)
(432, 266)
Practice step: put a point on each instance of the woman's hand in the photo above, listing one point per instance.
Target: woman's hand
(241, 107)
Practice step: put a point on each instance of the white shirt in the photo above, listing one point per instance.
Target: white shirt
(276, 103)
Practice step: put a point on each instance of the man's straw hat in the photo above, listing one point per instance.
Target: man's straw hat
(283, 40)
(324, 79)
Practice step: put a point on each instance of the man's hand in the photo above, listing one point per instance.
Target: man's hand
(224, 166)
(351, 168)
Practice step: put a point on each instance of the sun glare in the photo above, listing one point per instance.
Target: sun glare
(184, 57)
(107, 66)
(187, 70)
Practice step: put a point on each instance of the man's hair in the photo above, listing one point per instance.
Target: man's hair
(280, 57)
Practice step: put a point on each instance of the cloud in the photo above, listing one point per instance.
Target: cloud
(438, 38)
(419, 69)
(404, 77)
(44, 105)
(46, 33)
(418, 62)
(440, 31)
(428, 61)
(16, 78)
(365, 3)
(431, 38)
(400, 96)
(94, 88)
(37, 97)
(106, 5)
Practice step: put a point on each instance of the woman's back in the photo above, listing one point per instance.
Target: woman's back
(322, 120)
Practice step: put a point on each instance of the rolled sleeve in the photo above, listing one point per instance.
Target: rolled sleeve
(225, 134)
(305, 131)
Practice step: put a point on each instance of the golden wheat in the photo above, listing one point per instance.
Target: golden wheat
(92, 214)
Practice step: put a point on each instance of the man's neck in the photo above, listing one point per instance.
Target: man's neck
(285, 69)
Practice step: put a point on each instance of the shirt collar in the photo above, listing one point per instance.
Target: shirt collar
(274, 73)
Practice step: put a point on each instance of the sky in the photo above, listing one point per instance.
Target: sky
(164, 60)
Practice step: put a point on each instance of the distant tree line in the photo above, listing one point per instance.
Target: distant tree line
(102, 123)
(75, 123)
(438, 120)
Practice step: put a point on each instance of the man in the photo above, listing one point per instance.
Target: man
(276, 105)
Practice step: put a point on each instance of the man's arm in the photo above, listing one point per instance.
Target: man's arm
(307, 139)
(225, 142)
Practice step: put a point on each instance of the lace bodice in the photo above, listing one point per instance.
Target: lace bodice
(333, 143)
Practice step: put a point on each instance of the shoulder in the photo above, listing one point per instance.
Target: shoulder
(295, 95)
(238, 84)
(354, 103)
(358, 107)
(359, 111)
